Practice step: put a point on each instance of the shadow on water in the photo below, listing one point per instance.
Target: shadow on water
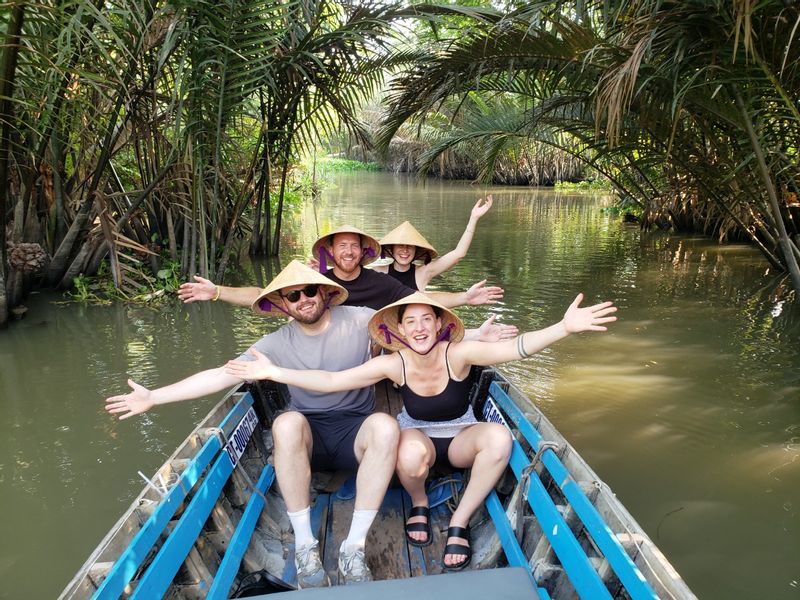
(688, 407)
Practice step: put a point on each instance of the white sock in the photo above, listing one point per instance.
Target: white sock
(301, 523)
(362, 521)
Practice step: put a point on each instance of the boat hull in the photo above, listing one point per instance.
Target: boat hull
(535, 507)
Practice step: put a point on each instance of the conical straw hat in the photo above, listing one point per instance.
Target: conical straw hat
(296, 273)
(406, 233)
(387, 316)
(368, 243)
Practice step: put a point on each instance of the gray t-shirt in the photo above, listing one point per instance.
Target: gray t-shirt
(343, 345)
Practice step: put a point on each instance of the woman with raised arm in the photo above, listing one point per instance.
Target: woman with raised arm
(431, 367)
(405, 245)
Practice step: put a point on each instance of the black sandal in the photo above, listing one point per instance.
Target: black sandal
(419, 511)
(457, 549)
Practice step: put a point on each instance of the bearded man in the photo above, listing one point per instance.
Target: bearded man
(320, 431)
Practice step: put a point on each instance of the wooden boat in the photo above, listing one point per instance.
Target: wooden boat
(212, 524)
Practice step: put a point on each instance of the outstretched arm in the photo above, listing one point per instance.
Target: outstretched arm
(261, 367)
(141, 399)
(203, 289)
(478, 294)
(576, 319)
(490, 331)
(425, 273)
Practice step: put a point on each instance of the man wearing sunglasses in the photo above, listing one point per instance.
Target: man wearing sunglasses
(349, 250)
(319, 431)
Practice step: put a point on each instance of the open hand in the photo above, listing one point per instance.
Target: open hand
(130, 404)
(250, 370)
(590, 318)
(482, 207)
(480, 293)
(495, 332)
(199, 290)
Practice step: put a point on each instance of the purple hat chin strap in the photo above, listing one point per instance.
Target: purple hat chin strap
(389, 334)
(330, 297)
(323, 259)
(367, 253)
(267, 306)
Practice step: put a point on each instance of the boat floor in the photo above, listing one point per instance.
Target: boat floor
(389, 555)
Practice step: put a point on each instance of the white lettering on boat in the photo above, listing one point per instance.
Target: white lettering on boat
(241, 435)
(492, 414)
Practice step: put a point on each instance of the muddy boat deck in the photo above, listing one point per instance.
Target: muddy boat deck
(389, 556)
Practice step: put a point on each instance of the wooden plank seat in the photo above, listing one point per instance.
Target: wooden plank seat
(202, 481)
(578, 564)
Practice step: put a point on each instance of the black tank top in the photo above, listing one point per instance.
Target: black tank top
(450, 404)
(408, 278)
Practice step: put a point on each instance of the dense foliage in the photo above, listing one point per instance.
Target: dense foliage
(137, 130)
(148, 133)
(689, 107)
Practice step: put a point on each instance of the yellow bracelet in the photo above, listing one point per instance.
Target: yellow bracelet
(216, 296)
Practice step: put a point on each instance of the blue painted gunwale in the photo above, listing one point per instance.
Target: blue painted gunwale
(567, 548)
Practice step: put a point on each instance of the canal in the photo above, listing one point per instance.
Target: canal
(689, 407)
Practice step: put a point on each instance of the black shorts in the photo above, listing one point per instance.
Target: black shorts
(442, 445)
(334, 435)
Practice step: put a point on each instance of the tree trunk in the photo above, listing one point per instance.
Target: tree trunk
(265, 241)
(173, 244)
(58, 265)
(3, 303)
(785, 243)
(276, 240)
(7, 74)
(76, 267)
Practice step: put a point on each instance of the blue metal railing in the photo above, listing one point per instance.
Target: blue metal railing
(223, 580)
(157, 577)
(516, 557)
(623, 566)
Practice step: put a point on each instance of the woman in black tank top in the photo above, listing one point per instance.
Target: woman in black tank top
(437, 422)
(405, 245)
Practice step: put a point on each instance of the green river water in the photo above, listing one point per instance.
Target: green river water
(689, 407)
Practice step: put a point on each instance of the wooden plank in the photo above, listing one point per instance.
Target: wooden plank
(395, 401)
(635, 583)
(387, 552)
(159, 575)
(387, 398)
(133, 556)
(495, 584)
(229, 566)
(382, 397)
(427, 560)
(340, 515)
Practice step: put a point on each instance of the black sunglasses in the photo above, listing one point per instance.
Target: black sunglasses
(309, 291)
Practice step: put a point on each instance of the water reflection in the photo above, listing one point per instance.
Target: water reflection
(688, 408)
